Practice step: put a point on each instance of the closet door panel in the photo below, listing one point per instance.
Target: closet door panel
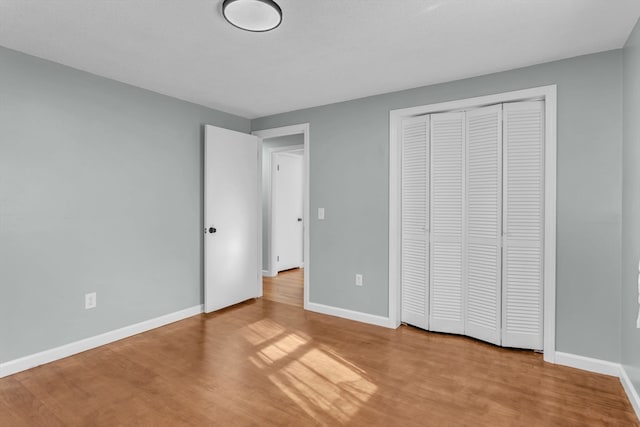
(446, 312)
(415, 221)
(446, 287)
(484, 224)
(523, 225)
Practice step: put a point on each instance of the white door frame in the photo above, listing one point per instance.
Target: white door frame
(549, 95)
(302, 128)
(267, 174)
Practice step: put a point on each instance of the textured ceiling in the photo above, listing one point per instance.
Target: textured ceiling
(325, 51)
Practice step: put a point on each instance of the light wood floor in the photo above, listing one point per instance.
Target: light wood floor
(268, 363)
(287, 287)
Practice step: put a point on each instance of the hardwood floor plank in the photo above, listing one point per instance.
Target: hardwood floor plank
(287, 287)
(18, 407)
(269, 363)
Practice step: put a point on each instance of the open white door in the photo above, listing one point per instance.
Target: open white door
(287, 205)
(232, 218)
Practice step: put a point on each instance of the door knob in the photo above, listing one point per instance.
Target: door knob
(299, 219)
(212, 230)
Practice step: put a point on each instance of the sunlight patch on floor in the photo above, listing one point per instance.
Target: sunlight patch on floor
(319, 380)
(322, 386)
(281, 348)
(262, 331)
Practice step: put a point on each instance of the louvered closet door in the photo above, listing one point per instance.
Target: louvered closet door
(447, 216)
(415, 220)
(484, 224)
(523, 225)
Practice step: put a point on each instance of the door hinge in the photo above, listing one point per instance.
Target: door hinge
(278, 168)
(278, 258)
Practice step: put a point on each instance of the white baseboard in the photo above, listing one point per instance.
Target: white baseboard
(632, 393)
(27, 362)
(269, 273)
(588, 364)
(602, 367)
(349, 314)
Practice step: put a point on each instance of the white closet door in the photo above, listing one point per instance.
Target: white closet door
(447, 219)
(484, 224)
(415, 220)
(523, 225)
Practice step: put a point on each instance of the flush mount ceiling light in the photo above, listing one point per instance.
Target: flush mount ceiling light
(252, 15)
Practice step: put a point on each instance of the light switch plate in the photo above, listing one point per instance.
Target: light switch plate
(320, 213)
(90, 300)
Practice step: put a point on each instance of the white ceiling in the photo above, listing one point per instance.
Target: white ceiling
(325, 51)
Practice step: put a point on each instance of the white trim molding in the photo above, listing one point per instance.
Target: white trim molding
(602, 367)
(632, 393)
(598, 366)
(31, 361)
(546, 93)
(350, 314)
(304, 129)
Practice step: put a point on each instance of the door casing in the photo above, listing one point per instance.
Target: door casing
(304, 129)
(549, 95)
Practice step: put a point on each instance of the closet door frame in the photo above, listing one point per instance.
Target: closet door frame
(548, 94)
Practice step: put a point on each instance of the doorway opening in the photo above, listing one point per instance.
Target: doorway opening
(285, 207)
(287, 287)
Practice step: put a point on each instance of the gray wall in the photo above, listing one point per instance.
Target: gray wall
(100, 190)
(631, 208)
(101, 183)
(282, 141)
(349, 155)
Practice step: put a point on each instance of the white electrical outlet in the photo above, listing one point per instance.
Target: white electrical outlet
(359, 281)
(90, 300)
